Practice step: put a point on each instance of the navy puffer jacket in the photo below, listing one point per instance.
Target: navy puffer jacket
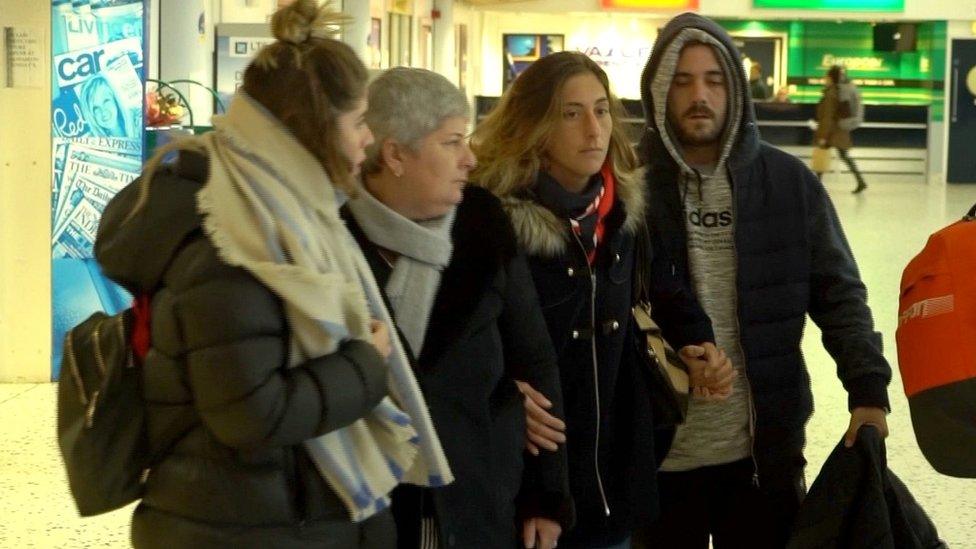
(793, 260)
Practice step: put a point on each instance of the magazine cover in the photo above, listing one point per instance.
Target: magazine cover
(89, 179)
(99, 91)
(96, 147)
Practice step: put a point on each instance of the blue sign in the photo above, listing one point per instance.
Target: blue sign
(97, 145)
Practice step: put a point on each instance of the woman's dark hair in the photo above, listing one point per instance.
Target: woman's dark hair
(305, 79)
(836, 74)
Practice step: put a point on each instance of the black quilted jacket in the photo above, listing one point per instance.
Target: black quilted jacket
(240, 476)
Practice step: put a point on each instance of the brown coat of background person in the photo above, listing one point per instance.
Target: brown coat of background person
(830, 133)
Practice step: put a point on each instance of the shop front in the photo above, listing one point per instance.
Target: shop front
(898, 66)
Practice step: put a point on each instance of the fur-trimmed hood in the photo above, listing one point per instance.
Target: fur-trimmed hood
(541, 233)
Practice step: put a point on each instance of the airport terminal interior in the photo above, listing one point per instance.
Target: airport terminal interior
(914, 62)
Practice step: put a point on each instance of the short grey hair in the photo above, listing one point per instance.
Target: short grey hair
(406, 105)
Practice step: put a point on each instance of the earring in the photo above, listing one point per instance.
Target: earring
(397, 174)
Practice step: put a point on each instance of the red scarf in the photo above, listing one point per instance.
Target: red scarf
(600, 206)
(141, 309)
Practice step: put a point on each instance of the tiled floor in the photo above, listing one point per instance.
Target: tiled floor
(35, 503)
(886, 225)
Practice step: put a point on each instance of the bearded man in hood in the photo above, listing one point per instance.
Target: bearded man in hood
(753, 233)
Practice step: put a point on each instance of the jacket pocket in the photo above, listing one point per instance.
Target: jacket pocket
(621, 259)
(558, 282)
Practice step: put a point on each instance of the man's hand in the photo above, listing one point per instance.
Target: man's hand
(542, 429)
(866, 416)
(540, 533)
(710, 372)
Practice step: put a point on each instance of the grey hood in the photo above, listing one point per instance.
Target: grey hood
(740, 136)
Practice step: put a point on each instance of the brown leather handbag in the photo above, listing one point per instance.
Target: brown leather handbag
(668, 375)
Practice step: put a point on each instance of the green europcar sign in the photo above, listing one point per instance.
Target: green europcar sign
(840, 5)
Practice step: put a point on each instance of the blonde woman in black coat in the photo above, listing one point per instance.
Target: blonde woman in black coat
(555, 153)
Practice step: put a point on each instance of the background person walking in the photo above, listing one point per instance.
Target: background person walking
(837, 114)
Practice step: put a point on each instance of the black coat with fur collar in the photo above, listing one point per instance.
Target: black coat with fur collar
(485, 332)
(609, 425)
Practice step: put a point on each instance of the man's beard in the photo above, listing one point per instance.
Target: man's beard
(695, 138)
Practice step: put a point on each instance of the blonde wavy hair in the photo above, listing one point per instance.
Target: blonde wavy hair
(305, 79)
(510, 142)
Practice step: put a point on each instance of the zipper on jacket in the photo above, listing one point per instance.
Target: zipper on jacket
(298, 489)
(596, 376)
(752, 427)
(738, 343)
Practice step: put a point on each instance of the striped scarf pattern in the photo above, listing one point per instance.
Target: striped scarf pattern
(269, 207)
(601, 206)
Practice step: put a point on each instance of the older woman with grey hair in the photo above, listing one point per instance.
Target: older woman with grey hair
(466, 310)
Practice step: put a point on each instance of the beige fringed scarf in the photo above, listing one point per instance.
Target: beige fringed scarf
(270, 208)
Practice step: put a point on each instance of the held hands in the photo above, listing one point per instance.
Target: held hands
(710, 372)
(540, 533)
(542, 429)
(379, 336)
(866, 416)
(710, 375)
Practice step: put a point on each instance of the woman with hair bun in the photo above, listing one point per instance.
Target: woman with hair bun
(283, 412)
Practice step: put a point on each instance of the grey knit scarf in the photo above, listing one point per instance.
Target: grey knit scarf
(425, 250)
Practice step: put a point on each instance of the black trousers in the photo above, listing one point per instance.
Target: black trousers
(720, 502)
(845, 155)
